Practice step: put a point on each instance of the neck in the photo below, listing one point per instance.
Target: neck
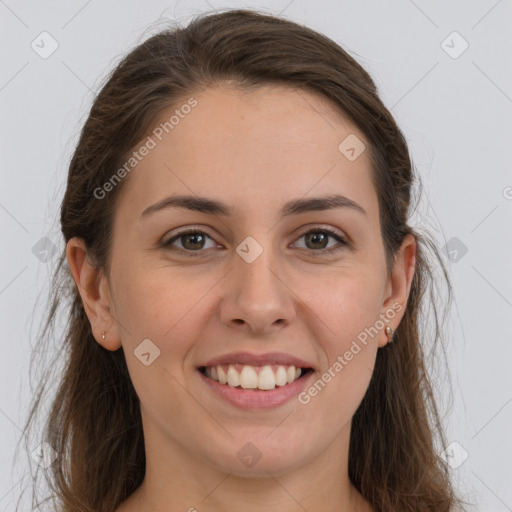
(175, 482)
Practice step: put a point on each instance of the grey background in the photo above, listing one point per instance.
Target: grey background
(455, 113)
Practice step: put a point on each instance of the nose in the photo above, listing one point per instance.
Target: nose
(257, 298)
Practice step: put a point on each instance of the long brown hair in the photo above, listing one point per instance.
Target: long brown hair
(94, 423)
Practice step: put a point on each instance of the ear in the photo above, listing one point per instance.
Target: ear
(398, 286)
(95, 292)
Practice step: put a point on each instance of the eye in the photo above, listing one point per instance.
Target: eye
(317, 237)
(192, 241)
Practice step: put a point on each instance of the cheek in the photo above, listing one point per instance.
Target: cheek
(155, 299)
(346, 304)
(346, 311)
(160, 306)
(350, 348)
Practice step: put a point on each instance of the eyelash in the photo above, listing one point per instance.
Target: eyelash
(343, 243)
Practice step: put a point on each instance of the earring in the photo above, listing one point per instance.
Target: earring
(103, 337)
(389, 333)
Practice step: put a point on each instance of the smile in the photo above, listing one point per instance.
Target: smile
(255, 387)
(253, 377)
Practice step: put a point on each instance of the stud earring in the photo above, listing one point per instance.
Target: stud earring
(389, 333)
(103, 337)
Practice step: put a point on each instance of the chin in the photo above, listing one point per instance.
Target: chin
(258, 459)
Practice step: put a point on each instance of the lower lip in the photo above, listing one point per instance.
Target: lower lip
(250, 399)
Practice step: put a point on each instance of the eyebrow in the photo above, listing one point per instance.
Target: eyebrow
(214, 207)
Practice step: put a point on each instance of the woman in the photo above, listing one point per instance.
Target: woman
(244, 330)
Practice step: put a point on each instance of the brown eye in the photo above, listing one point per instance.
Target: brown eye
(192, 240)
(316, 241)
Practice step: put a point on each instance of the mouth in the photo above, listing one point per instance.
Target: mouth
(255, 378)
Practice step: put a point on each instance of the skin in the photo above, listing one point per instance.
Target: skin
(255, 151)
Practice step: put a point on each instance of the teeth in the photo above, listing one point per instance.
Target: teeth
(281, 376)
(291, 374)
(233, 377)
(266, 378)
(249, 378)
(223, 379)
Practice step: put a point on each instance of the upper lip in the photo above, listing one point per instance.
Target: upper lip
(268, 358)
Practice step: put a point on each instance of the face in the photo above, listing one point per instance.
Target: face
(307, 283)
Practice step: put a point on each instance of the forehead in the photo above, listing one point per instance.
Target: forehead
(254, 148)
